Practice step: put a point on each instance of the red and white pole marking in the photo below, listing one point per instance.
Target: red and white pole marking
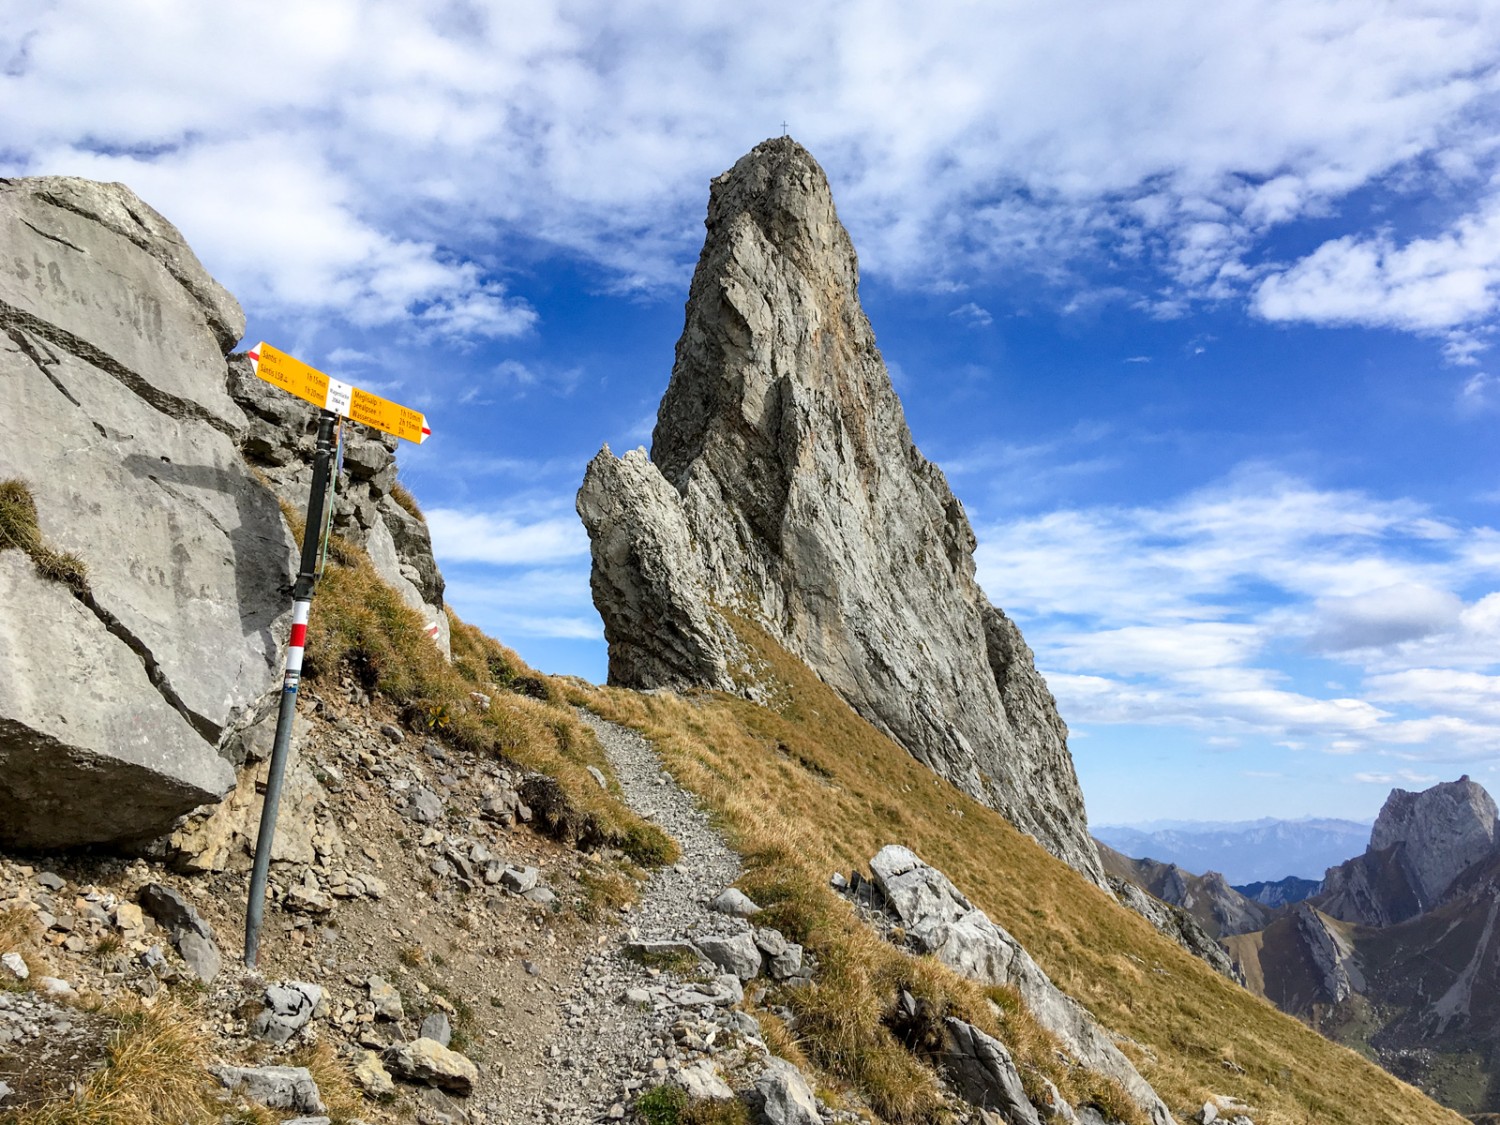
(300, 610)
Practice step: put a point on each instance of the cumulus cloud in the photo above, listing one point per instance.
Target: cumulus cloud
(1423, 285)
(1198, 612)
(386, 157)
(524, 536)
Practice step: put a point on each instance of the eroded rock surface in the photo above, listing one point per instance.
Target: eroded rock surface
(114, 413)
(784, 484)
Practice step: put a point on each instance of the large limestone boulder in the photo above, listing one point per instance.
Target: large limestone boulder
(802, 503)
(114, 412)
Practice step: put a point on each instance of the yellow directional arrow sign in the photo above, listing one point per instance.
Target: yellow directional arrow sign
(296, 377)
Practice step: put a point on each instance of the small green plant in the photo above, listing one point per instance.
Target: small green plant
(668, 960)
(663, 1105)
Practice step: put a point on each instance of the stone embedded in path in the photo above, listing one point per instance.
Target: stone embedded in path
(428, 1061)
(701, 1082)
(734, 902)
(734, 953)
(289, 1006)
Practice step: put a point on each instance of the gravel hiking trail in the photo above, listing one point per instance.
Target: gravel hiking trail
(608, 1047)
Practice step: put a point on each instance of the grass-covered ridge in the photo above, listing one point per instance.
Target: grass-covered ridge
(806, 787)
(486, 701)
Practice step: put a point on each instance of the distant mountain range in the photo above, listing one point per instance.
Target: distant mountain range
(1243, 851)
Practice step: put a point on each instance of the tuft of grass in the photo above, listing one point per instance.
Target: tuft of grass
(360, 625)
(604, 893)
(155, 1070)
(342, 1100)
(402, 496)
(19, 530)
(1179, 1017)
(662, 1105)
(20, 933)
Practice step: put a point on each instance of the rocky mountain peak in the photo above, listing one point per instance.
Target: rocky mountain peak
(784, 485)
(1443, 830)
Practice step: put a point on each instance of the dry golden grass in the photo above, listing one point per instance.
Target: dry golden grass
(840, 791)
(155, 1071)
(360, 625)
(20, 933)
(19, 530)
(342, 1101)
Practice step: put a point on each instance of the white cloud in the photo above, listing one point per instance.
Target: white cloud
(1400, 777)
(1424, 285)
(1198, 612)
(359, 143)
(524, 537)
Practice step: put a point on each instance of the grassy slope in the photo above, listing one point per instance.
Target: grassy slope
(805, 787)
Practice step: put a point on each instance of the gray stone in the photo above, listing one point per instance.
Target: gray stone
(436, 1027)
(423, 806)
(14, 965)
(202, 957)
(275, 1087)
(734, 953)
(288, 1008)
(781, 1096)
(786, 964)
(771, 942)
(173, 912)
(782, 469)
(386, 998)
(429, 1062)
(519, 880)
(941, 921)
(701, 1082)
(598, 775)
(51, 881)
(113, 410)
(983, 1072)
(734, 902)
(372, 1076)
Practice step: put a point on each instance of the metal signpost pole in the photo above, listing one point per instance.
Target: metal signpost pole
(302, 594)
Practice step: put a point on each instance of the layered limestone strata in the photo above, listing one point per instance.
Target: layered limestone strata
(783, 483)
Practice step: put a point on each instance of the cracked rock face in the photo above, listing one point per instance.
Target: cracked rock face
(114, 412)
(783, 483)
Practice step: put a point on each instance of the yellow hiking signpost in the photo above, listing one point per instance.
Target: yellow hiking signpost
(296, 377)
(335, 399)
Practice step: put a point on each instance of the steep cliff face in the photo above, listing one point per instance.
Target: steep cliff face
(1421, 843)
(784, 484)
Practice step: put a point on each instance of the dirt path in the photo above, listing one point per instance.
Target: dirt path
(609, 1045)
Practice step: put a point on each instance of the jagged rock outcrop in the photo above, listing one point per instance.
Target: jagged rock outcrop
(784, 485)
(1218, 908)
(1420, 844)
(939, 919)
(114, 413)
(1176, 923)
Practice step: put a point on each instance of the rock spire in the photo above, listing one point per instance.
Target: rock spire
(784, 484)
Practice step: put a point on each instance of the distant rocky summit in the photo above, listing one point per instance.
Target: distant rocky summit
(1420, 844)
(784, 487)
(1396, 953)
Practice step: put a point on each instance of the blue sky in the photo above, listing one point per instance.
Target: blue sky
(1194, 303)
